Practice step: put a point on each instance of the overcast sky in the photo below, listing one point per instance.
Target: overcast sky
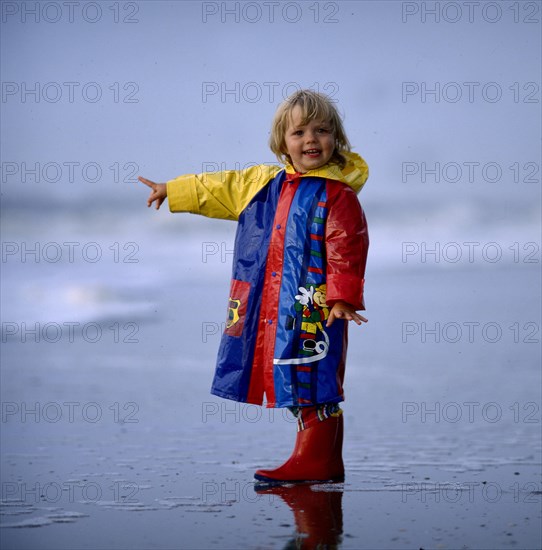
(98, 92)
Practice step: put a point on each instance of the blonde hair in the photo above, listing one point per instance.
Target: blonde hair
(314, 106)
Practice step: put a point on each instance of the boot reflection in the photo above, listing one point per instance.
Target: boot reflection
(318, 513)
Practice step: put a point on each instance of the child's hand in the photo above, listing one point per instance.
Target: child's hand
(342, 310)
(158, 193)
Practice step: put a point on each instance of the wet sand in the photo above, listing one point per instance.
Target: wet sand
(181, 477)
(120, 445)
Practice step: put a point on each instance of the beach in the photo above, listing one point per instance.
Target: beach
(116, 442)
(112, 313)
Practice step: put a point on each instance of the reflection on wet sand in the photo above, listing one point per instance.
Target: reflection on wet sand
(317, 512)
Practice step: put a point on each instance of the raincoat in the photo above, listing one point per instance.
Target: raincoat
(301, 246)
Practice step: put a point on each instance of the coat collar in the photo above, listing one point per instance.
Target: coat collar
(354, 174)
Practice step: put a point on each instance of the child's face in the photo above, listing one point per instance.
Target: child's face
(309, 146)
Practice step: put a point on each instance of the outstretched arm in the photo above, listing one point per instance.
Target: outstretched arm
(221, 195)
(158, 192)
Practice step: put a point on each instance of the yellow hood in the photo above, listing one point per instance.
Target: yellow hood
(355, 173)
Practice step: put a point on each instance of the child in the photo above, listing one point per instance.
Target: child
(298, 274)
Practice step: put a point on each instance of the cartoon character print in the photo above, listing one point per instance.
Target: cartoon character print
(311, 302)
(233, 312)
(237, 307)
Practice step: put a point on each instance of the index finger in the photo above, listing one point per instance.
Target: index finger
(146, 181)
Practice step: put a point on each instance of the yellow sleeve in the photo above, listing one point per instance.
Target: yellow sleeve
(221, 195)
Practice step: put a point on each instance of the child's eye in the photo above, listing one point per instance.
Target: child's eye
(298, 132)
(323, 130)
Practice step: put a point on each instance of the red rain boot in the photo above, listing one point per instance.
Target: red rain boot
(317, 455)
